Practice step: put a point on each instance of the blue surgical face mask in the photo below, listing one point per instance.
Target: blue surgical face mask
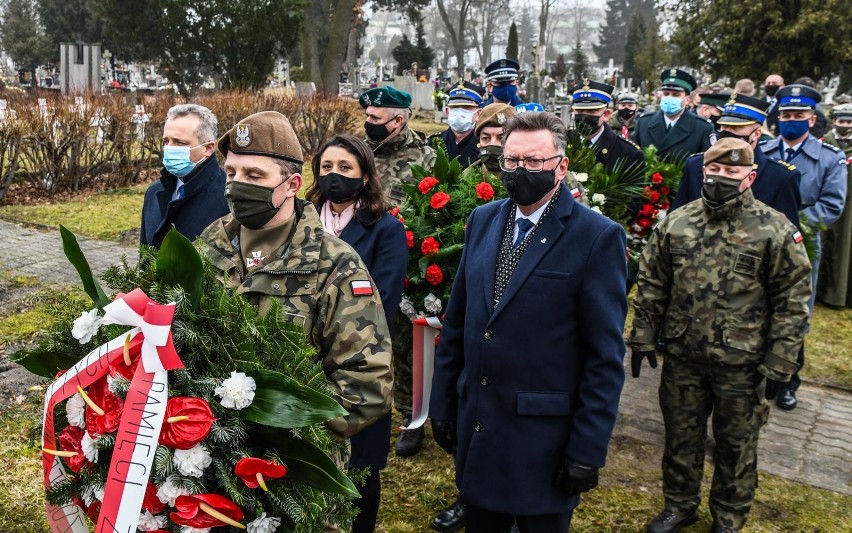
(176, 159)
(460, 120)
(793, 129)
(671, 105)
(504, 93)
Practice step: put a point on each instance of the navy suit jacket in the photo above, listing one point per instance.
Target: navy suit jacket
(538, 378)
(384, 250)
(777, 185)
(690, 134)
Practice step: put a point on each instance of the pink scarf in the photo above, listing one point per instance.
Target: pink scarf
(334, 223)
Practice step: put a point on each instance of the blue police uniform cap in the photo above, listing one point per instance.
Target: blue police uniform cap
(674, 78)
(528, 107)
(797, 98)
(592, 95)
(462, 96)
(385, 97)
(502, 70)
(742, 109)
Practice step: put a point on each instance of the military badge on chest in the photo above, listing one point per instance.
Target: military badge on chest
(255, 260)
(747, 264)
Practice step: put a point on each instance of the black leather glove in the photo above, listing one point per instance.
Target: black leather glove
(773, 388)
(444, 432)
(636, 357)
(575, 478)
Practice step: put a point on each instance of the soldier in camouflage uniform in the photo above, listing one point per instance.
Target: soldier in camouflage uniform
(394, 144)
(724, 281)
(273, 247)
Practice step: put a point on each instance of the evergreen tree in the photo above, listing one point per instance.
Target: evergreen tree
(67, 21)
(632, 47)
(580, 61)
(405, 53)
(611, 35)
(22, 37)
(512, 46)
(560, 70)
(426, 57)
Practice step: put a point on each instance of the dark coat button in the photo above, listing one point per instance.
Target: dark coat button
(488, 334)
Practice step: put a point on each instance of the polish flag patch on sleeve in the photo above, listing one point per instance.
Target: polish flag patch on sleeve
(575, 192)
(797, 237)
(362, 287)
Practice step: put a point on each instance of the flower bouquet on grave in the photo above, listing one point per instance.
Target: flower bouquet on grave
(176, 407)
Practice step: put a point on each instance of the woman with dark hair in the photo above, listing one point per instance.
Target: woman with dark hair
(347, 191)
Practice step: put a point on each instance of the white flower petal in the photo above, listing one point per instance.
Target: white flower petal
(169, 491)
(86, 326)
(236, 392)
(263, 524)
(89, 447)
(193, 461)
(75, 408)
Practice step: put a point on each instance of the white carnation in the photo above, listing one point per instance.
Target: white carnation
(89, 447)
(193, 461)
(432, 304)
(407, 308)
(190, 529)
(661, 214)
(149, 522)
(237, 392)
(169, 491)
(75, 408)
(86, 326)
(581, 177)
(599, 198)
(636, 227)
(596, 209)
(263, 524)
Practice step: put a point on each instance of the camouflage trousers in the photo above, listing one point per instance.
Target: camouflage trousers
(402, 361)
(689, 393)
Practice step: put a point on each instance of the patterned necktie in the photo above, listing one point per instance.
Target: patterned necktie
(524, 226)
(181, 192)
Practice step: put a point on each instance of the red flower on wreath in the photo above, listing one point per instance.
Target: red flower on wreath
(426, 184)
(647, 210)
(395, 211)
(434, 275)
(654, 196)
(484, 191)
(150, 502)
(645, 222)
(656, 177)
(664, 190)
(409, 236)
(111, 405)
(254, 472)
(188, 421)
(439, 200)
(193, 511)
(429, 246)
(406, 283)
(70, 440)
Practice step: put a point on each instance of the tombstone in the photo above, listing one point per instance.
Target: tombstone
(80, 65)
(139, 118)
(306, 89)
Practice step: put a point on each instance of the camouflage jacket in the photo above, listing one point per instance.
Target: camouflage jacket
(315, 278)
(393, 156)
(575, 187)
(725, 286)
(844, 143)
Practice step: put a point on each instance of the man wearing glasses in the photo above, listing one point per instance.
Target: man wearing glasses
(529, 370)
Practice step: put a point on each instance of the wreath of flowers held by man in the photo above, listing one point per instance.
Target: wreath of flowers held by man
(242, 445)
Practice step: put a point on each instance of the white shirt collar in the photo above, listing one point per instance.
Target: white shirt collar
(670, 122)
(178, 185)
(534, 217)
(594, 139)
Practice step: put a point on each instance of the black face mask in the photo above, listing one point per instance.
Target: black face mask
(490, 157)
(626, 114)
(720, 189)
(525, 187)
(337, 188)
(729, 134)
(586, 124)
(251, 204)
(770, 90)
(377, 132)
(714, 119)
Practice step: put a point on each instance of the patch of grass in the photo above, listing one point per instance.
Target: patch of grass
(26, 317)
(427, 126)
(102, 215)
(828, 347)
(23, 326)
(21, 492)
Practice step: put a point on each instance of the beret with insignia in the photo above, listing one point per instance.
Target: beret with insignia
(267, 133)
(494, 115)
(730, 151)
(385, 97)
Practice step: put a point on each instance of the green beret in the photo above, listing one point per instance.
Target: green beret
(385, 97)
(267, 133)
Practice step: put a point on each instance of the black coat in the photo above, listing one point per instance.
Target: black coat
(613, 151)
(384, 250)
(203, 202)
(467, 150)
(777, 184)
(691, 134)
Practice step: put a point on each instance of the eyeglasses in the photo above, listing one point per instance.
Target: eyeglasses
(510, 164)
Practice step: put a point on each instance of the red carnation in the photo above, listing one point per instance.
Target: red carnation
(401, 220)
(395, 211)
(426, 184)
(656, 177)
(645, 222)
(439, 200)
(434, 275)
(193, 510)
(111, 405)
(647, 210)
(664, 190)
(188, 421)
(151, 503)
(406, 283)
(665, 206)
(429, 246)
(409, 236)
(254, 471)
(484, 191)
(70, 440)
(655, 196)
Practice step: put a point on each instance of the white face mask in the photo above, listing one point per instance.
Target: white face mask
(460, 120)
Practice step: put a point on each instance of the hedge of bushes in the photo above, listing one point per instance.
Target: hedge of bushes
(72, 142)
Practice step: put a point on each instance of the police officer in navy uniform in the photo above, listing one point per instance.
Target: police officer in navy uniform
(674, 132)
(501, 82)
(777, 182)
(463, 106)
(823, 184)
(591, 113)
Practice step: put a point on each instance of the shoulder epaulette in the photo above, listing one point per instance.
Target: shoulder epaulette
(646, 114)
(831, 147)
(628, 141)
(764, 141)
(696, 154)
(789, 166)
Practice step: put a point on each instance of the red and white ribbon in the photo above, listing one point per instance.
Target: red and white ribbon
(423, 366)
(141, 418)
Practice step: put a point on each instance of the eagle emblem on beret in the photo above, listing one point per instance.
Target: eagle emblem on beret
(735, 155)
(366, 99)
(242, 138)
(501, 118)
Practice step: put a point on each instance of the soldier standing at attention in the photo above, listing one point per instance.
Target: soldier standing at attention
(623, 120)
(273, 247)
(676, 133)
(394, 144)
(823, 183)
(725, 282)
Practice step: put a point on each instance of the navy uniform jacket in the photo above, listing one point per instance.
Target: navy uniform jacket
(384, 249)
(467, 150)
(539, 377)
(612, 150)
(515, 101)
(823, 183)
(690, 134)
(203, 202)
(777, 184)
